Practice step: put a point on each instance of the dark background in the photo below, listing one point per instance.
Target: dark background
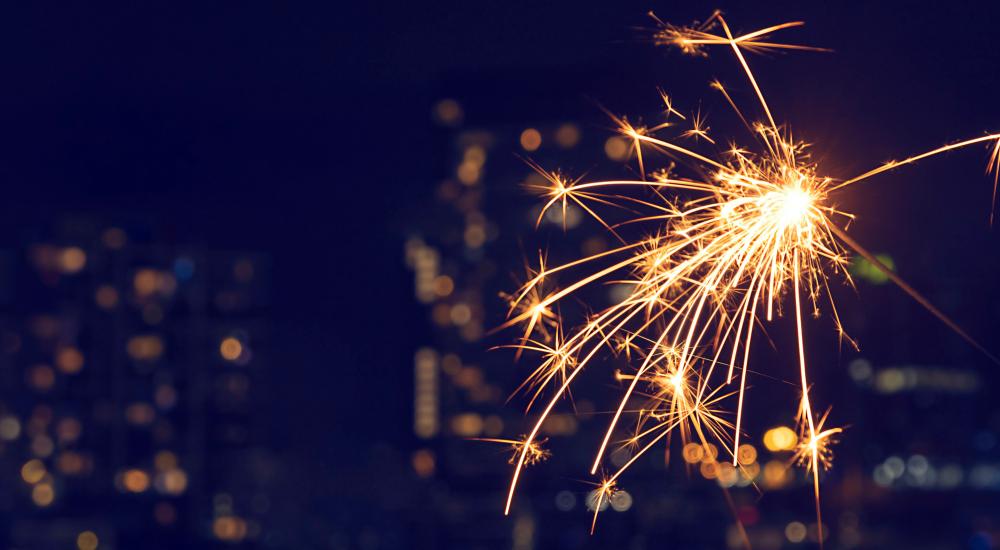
(303, 131)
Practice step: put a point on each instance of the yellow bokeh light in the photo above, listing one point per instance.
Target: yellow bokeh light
(567, 136)
(423, 463)
(71, 463)
(106, 296)
(145, 347)
(727, 473)
(475, 155)
(531, 140)
(468, 173)
(33, 471)
(776, 474)
(693, 453)
(460, 314)
(443, 285)
(135, 480)
(781, 438)
(72, 260)
(172, 482)
(145, 282)
(475, 236)
(43, 494)
(41, 377)
(448, 112)
(140, 414)
(747, 454)
(467, 424)
(165, 460)
(795, 532)
(10, 428)
(86, 540)
(68, 430)
(616, 148)
(69, 360)
(229, 528)
(230, 348)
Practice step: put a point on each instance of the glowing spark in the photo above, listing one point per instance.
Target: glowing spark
(748, 230)
(601, 499)
(669, 105)
(534, 452)
(698, 129)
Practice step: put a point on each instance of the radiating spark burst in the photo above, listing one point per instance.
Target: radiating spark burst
(601, 497)
(761, 226)
(540, 318)
(553, 367)
(814, 451)
(699, 129)
(534, 451)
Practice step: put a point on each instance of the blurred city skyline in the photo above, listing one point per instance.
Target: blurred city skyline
(305, 135)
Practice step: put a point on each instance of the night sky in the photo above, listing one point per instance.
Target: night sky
(303, 130)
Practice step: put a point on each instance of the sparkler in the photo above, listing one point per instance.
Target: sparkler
(761, 231)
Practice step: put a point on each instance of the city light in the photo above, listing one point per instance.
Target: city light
(111, 364)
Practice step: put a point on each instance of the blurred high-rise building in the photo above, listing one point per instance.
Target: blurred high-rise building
(134, 384)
